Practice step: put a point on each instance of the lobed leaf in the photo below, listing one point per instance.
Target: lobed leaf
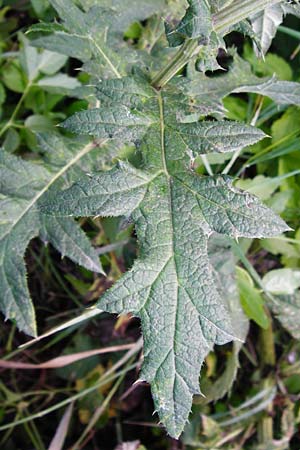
(208, 92)
(23, 185)
(171, 286)
(265, 25)
(197, 23)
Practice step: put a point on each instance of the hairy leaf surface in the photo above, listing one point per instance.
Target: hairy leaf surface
(207, 92)
(287, 309)
(171, 285)
(22, 186)
(94, 35)
(196, 23)
(223, 263)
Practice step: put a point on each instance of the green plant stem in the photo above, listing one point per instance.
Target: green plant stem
(290, 32)
(17, 109)
(207, 165)
(237, 11)
(180, 59)
(267, 359)
(222, 22)
(109, 375)
(99, 411)
(267, 345)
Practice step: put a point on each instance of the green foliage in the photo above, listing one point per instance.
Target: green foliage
(23, 185)
(181, 312)
(179, 284)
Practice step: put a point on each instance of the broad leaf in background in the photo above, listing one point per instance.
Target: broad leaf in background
(223, 263)
(282, 281)
(42, 69)
(34, 73)
(22, 185)
(171, 286)
(251, 299)
(284, 284)
(94, 36)
(287, 310)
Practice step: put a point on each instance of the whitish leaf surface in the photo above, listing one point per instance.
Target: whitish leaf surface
(282, 281)
(287, 310)
(171, 285)
(22, 185)
(208, 91)
(265, 25)
(94, 35)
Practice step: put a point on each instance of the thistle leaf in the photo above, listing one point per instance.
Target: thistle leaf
(197, 23)
(22, 186)
(266, 22)
(171, 286)
(94, 35)
(207, 92)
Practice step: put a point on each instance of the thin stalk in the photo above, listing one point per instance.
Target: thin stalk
(207, 165)
(106, 378)
(236, 155)
(268, 359)
(99, 411)
(290, 32)
(180, 59)
(222, 22)
(237, 11)
(16, 110)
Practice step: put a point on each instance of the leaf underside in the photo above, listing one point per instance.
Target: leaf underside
(171, 286)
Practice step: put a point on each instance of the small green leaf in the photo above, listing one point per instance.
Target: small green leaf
(287, 310)
(282, 281)
(265, 25)
(251, 299)
(197, 23)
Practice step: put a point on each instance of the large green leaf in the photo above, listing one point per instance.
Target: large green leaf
(171, 286)
(22, 186)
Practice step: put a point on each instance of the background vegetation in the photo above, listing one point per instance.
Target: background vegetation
(93, 402)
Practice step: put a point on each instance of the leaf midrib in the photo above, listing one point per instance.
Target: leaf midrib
(86, 149)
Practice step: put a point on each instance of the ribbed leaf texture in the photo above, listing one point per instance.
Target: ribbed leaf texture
(266, 22)
(207, 92)
(286, 308)
(94, 35)
(171, 286)
(22, 186)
